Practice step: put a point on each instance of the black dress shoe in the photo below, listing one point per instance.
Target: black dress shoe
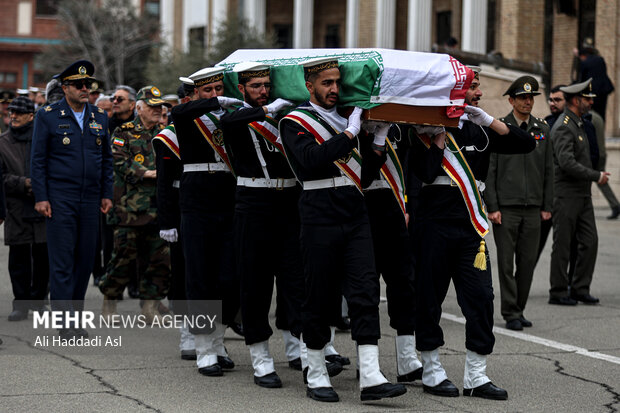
(270, 381)
(237, 328)
(212, 371)
(585, 298)
(188, 354)
(322, 394)
(444, 389)
(344, 324)
(562, 301)
(382, 391)
(411, 376)
(525, 322)
(337, 358)
(514, 325)
(615, 212)
(487, 391)
(225, 362)
(295, 364)
(18, 315)
(333, 369)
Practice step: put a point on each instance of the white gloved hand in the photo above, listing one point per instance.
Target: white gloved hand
(279, 104)
(381, 133)
(478, 116)
(169, 235)
(227, 102)
(429, 130)
(355, 121)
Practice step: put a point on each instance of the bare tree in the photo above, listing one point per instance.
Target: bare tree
(110, 34)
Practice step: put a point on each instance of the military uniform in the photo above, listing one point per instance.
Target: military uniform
(71, 167)
(573, 213)
(519, 186)
(136, 234)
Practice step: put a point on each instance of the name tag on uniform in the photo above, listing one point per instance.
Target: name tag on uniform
(64, 126)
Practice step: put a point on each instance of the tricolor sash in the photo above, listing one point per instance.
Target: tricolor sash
(268, 129)
(208, 124)
(392, 172)
(168, 136)
(350, 165)
(457, 168)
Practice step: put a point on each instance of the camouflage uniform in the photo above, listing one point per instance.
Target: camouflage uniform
(134, 215)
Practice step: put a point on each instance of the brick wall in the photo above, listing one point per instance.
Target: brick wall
(564, 40)
(606, 41)
(367, 26)
(521, 29)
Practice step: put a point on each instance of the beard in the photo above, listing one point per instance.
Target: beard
(253, 102)
(324, 101)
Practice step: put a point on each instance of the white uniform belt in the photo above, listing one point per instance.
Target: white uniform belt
(277, 183)
(328, 183)
(378, 184)
(446, 180)
(176, 183)
(205, 167)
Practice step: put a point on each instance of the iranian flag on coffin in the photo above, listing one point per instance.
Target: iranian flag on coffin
(370, 77)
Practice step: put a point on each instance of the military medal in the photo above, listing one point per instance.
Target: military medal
(66, 141)
(139, 158)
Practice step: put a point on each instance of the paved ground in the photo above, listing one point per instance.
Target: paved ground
(569, 361)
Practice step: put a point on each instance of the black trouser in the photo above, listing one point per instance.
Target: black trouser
(268, 246)
(176, 293)
(105, 245)
(339, 259)
(446, 250)
(29, 272)
(393, 257)
(209, 264)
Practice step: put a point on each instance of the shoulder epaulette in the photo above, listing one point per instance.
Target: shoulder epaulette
(100, 110)
(566, 119)
(48, 108)
(127, 125)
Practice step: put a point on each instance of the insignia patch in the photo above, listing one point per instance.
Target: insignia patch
(139, 158)
(100, 110)
(139, 127)
(82, 70)
(98, 141)
(94, 125)
(527, 87)
(345, 159)
(218, 137)
(48, 109)
(155, 91)
(118, 141)
(127, 125)
(62, 112)
(66, 141)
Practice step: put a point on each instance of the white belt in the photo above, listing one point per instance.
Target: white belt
(378, 184)
(205, 167)
(328, 183)
(176, 183)
(446, 180)
(277, 183)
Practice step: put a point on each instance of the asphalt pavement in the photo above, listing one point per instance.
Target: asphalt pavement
(569, 361)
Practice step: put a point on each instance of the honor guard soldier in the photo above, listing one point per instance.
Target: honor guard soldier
(207, 197)
(266, 224)
(71, 172)
(135, 211)
(573, 213)
(169, 171)
(449, 228)
(335, 233)
(519, 195)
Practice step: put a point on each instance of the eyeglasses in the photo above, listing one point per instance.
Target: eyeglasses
(118, 99)
(556, 100)
(259, 85)
(79, 84)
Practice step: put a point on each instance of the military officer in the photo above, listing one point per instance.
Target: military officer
(573, 213)
(135, 210)
(71, 172)
(519, 194)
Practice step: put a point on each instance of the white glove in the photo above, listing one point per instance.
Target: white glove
(355, 121)
(381, 133)
(169, 235)
(429, 130)
(279, 104)
(478, 116)
(227, 102)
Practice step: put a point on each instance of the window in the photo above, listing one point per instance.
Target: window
(151, 7)
(196, 39)
(332, 36)
(492, 22)
(444, 27)
(8, 77)
(284, 35)
(47, 7)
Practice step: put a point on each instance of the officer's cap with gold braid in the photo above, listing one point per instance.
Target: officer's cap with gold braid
(318, 64)
(582, 89)
(250, 70)
(525, 85)
(207, 75)
(152, 96)
(82, 69)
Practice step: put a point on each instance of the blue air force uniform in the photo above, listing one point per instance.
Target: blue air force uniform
(71, 168)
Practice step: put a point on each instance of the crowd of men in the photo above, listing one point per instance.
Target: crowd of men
(200, 197)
